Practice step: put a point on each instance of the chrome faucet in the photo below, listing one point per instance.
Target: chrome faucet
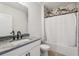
(13, 33)
(19, 36)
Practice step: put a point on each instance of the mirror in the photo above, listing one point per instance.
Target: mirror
(13, 16)
(5, 24)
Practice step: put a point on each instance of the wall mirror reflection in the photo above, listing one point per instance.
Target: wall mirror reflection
(13, 17)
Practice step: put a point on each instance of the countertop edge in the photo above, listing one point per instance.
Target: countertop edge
(6, 51)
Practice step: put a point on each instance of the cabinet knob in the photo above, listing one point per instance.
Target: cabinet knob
(28, 54)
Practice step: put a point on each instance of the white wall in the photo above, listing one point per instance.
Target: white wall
(19, 17)
(34, 19)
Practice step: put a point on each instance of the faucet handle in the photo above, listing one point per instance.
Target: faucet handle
(19, 35)
(13, 32)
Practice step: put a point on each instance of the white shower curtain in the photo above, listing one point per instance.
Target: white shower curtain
(61, 30)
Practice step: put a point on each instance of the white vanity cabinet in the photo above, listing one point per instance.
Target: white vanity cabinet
(34, 51)
(31, 49)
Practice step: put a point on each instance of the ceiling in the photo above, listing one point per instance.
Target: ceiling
(51, 5)
(16, 5)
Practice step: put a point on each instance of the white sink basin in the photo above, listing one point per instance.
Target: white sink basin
(19, 42)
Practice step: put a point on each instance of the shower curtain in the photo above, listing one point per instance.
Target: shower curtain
(61, 30)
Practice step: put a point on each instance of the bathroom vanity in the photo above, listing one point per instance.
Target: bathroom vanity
(14, 23)
(23, 47)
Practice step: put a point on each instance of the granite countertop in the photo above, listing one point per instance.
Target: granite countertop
(6, 45)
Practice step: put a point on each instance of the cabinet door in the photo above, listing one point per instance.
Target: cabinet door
(27, 53)
(35, 51)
